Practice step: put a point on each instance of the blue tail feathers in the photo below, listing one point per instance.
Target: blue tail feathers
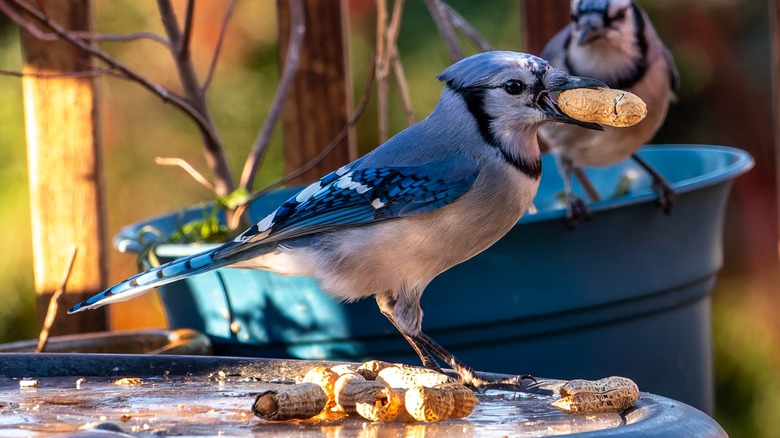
(145, 281)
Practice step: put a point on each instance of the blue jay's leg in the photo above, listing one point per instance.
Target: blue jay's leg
(467, 374)
(666, 195)
(576, 209)
(386, 303)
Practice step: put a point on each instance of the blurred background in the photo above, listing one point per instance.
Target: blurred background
(722, 49)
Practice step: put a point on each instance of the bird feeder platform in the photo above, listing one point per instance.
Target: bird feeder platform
(43, 394)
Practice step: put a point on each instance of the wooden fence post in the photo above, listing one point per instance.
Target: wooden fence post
(540, 20)
(65, 168)
(320, 101)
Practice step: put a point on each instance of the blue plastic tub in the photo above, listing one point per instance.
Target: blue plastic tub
(624, 294)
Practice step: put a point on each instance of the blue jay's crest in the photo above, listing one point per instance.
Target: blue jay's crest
(482, 69)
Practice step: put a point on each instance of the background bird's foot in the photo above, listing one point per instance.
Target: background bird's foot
(577, 211)
(666, 195)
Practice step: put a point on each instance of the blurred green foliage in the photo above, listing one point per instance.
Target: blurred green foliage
(138, 126)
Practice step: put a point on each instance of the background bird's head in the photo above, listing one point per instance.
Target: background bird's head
(507, 92)
(604, 22)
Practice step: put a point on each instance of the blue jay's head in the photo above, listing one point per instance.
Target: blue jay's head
(507, 92)
(608, 20)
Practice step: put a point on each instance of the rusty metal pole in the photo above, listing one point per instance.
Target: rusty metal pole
(65, 169)
(320, 101)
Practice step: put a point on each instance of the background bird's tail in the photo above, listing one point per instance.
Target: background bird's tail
(145, 281)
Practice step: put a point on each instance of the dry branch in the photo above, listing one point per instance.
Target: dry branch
(54, 303)
(297, 30)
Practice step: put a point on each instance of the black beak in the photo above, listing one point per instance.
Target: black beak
(556, 80)
(591, 27)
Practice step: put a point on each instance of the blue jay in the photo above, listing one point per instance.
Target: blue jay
(433, 196)
(612, 41)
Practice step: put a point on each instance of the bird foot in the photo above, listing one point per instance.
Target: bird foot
(577, 211)
(667, 197)
(514, 383)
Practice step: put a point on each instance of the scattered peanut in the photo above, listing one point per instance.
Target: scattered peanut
(352, 388)
(404, 376)
(464, 400)
(610, 394)
(28, 383)
(429, 404)
(339, 391)
(388, 403)
(301, 401)
(326, 379)
(603, 105)
(370, 369)
(129, 381)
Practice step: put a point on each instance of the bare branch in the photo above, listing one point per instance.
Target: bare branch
(127, 72)
(218, 47)
(88, 36)
(382, 71)
(54, 303)
(25, 24)
(442, 20)
(69, 74)
(119, 38)
(212, 145)
(187, 168)
(403, 88)
(297, 31)
(467, 29)
(359, 110)
(186, 35)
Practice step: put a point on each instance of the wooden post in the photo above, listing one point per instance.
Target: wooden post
(541, 19)
(774, 23)
(65, 169)
(320, 101)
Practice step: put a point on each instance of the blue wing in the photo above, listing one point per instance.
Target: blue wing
(356, 196)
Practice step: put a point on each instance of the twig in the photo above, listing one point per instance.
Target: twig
(467, 29)
(165, 94)
(403, 88)
(186, 34)
(68, 74)
(394, 59)
(54, 303)
(187, 168)
(119, 38)
(218, 47)
(442, 20)
(297, 31)
(212, 145)
(382, 70)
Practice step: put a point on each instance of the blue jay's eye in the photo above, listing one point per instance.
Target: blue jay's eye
(621, 14)
(513, 87)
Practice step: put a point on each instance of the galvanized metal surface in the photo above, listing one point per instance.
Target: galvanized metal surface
(202, 396)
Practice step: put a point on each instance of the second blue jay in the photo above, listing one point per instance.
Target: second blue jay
(613, 41)
(431, 197)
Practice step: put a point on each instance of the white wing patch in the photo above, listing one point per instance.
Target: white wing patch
(345, 182)
(377, 204)
(308, 191)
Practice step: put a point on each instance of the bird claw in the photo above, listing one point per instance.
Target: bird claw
(514, 383)
(667, 197)
(577, 212)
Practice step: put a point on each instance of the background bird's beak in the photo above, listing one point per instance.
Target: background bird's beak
(591, 27)
(555, 81)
